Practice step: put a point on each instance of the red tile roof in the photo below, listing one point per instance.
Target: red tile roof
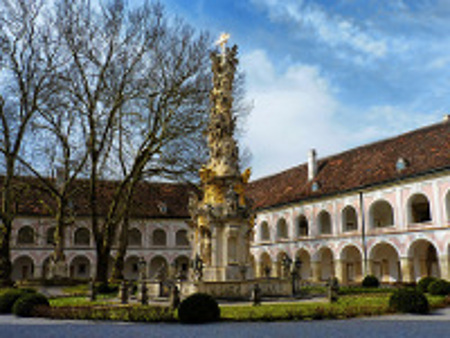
(425, 150)
(150, 200)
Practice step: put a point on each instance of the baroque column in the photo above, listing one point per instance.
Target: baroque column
(220, 218)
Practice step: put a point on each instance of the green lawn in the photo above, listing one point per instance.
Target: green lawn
(82, 300)
(345, 307)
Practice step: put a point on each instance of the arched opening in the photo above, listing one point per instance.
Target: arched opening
(46, 268)
(305, 268)
(419, 209)
(385, 263)
(23, 268)
(325, 256)
(324, 222)
(265, 265)
(131, 268)
(282, 229)
(159, 238)
(349, 219)
(158, 268)
(282, 270)
(82, 237)
(181, 238)
(381, 214)
(302, 226)
(50, 236)
(25, 236)
(182, 267)
(424, 259)
(265, 233)
(134, 237)
(351, 260)
(80, 267)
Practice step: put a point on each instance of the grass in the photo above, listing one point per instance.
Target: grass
(102, 299)
(348, 306)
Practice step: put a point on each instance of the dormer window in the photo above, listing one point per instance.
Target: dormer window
(401, 164)
(162, 207)
(315, 186)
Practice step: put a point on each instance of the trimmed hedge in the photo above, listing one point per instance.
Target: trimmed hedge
(199, 308)
(129, 313)
(370, 281)
(409, 301)
(439, 287)
(9, 296)
(25, 305)
(424, 282)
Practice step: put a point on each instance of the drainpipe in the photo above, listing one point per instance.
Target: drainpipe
(363, 232)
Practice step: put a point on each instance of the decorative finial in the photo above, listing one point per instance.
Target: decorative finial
(223, 39)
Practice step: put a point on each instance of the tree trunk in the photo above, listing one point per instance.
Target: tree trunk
(102, 265)
(7, 216)
(58, 266)
(119, 262)
(5, 258)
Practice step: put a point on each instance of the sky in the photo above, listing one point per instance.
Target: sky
(331, 74)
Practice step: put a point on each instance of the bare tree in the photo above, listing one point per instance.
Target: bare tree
(140, 83)
(25, 69)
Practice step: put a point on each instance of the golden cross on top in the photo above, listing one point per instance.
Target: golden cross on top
(223, 39)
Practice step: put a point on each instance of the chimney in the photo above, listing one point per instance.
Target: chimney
(312, 164)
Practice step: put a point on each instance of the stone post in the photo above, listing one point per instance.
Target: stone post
(444, 266)
(143, 293)
(123, 292)
(406, 266)
(316, 271)
(340, 271)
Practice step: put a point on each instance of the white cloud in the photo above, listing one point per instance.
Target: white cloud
(333, 30)
(298, 109)
(292, 113)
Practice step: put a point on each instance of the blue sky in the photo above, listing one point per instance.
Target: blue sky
(332, 75)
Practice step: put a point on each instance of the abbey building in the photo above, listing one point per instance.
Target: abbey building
(381, 209)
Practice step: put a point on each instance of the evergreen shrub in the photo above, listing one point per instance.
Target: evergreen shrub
(424, 282)
(106, 288)
(198, 308)
(9, 297)
(409, 301)
(439, 287)
(370, 281)
(24, 306)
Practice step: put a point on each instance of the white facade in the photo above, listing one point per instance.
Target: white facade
(162, 243)
(383, 231)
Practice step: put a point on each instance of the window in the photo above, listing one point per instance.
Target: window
(349, 219)
(282, 229)
(51, 236)
(419, 209)
(265, 233)
(159, 237)
(181, 238)
(302, 224)
(324, 222)
(82, 237)
(381, 214)
(134, 237)
(25, 235)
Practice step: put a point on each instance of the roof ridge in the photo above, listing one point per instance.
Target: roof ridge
(363, 146)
